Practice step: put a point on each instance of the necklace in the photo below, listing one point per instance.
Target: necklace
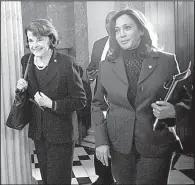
(44, 62)
(40, 67)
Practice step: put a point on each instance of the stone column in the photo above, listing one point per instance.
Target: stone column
(15, 147)
(81, 35)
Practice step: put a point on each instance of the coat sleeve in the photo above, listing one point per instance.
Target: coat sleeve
(94, 64)
(182, 101)
(77, 97)
(99, 109)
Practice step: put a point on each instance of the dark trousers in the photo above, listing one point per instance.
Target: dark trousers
(135, 169)
(101, 170)
(55, 161)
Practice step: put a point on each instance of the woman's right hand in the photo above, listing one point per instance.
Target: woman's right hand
(22, 84)
(103, 153)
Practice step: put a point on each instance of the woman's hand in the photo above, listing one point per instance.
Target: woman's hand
(22, 85)
(163, 109)
(43, 100)
(102, 154)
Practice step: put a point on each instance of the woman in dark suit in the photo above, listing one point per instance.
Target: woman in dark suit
(57, 88)
(127, 101)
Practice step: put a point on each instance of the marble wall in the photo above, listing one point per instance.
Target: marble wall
(139, 5)
(81, 33)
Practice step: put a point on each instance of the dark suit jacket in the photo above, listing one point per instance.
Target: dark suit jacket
(86, 111)
(97, 50)
(123, 123)
(96, 55)
(62, 84)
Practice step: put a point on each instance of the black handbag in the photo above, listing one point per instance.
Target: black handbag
(18, 116)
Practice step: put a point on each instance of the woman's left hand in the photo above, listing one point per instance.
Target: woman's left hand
(163, 109)
(43, 100)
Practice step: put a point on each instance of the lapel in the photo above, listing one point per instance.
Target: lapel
(100, 47)
(51, 70)
(148, 66)
(50, 74)
(119, 69)
(102, 44)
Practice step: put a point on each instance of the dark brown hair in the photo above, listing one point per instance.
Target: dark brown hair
(148, 40)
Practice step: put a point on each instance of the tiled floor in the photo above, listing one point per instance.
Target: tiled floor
(83, 167)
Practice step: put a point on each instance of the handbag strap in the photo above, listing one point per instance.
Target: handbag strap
(27, 66)
(26, 72)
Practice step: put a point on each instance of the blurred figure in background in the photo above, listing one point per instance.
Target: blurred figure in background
(84, 114)
(99, 52)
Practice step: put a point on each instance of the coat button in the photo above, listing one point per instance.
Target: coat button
(150, 67)
(142, 87)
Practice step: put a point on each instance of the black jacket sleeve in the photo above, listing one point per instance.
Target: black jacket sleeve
(77, 97)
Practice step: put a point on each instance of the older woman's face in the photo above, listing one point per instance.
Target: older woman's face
(128, 35)
(39, 45)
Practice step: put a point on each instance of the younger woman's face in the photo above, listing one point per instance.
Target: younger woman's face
(38, 45)
(128, 35)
